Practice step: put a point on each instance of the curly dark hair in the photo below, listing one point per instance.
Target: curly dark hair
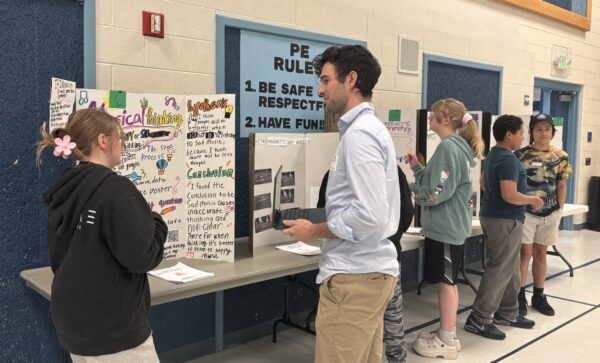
(506, 123)
(351, 58)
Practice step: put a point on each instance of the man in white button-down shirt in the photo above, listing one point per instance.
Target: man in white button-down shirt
(358, 267)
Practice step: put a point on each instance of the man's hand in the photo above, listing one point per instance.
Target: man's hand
(301, 230)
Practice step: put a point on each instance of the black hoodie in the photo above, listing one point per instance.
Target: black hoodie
(102, 239)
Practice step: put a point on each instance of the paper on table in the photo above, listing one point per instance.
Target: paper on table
(301, 248)
(413, 230)
(180, 273)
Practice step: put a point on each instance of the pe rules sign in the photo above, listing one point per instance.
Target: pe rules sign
(278, 84)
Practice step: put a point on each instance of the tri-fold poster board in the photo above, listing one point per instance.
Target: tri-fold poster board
(180, 153)
(304, 159)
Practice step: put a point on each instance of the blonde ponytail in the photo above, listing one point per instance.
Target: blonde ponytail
(455, 111)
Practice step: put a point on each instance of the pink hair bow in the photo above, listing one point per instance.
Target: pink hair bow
(64, 146)
(466, 118)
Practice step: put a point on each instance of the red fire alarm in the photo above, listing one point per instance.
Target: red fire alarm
(153, 24)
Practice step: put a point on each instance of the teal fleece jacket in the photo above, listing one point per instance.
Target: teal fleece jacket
(443, 190)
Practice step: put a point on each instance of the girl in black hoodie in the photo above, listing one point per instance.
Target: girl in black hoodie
(102, 239)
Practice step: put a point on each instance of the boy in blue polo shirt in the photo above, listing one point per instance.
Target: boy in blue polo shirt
(502, 215)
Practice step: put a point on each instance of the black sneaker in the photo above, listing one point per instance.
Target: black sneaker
(485, 330)
(522, 303)
(539, 302)
(519, 322)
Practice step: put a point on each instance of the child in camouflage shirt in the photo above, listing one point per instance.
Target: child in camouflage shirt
(547, 170)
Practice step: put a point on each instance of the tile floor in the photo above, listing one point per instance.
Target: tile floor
(572, 335)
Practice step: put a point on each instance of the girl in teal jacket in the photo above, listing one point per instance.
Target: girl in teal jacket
(443, 189)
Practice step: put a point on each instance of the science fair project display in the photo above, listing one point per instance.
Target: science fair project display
(180, 153)
(303, 159)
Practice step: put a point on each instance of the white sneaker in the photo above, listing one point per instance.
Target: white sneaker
(435, 347)
(431, 334)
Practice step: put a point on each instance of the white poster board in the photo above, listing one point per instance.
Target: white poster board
(404, 136)
(305, 158)
(62, 98)
(179, 153)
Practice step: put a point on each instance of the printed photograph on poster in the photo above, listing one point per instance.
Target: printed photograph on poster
(262, 201)
(262, 176)
(288, 179)
(287, 196)
(263, 223)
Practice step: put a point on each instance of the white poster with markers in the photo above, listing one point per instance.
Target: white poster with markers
(179, 152)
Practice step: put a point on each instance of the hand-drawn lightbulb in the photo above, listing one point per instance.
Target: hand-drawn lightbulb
(228, 111)
(169, 156)
(161, 164)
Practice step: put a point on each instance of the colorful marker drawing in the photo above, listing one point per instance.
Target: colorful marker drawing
(172, 102)
(178, 180)
(83, 97)
(133, 177)
(167, 210)
(228, 111)
(161, 164)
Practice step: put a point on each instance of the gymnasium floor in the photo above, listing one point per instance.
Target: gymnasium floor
(572, 335)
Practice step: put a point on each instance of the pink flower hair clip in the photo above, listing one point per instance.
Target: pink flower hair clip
(64, 146)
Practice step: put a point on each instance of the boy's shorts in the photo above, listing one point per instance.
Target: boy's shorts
(541, 230)
(442, 261)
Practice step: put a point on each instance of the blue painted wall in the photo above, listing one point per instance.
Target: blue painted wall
(38, 39)
(477, 88)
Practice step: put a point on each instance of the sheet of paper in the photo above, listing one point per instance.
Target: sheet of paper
(301, 248)
(180, 273)
(62, 98)
(413, 230)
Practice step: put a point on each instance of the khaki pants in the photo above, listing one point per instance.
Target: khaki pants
(350, 317)
(144, 352)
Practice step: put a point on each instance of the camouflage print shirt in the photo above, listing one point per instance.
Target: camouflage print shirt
(544, 170)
